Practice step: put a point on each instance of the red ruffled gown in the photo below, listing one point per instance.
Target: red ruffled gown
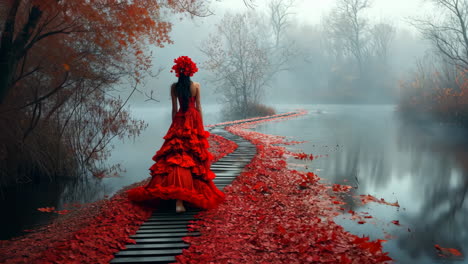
(182, 169)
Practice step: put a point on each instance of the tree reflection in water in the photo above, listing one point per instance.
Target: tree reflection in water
(424, 167)
(440, 165)
(20, 204)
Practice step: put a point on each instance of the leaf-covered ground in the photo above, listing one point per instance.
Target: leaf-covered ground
(273, 214)
(89, 233)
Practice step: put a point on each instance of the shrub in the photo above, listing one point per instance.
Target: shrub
(250, 110)
(438, 90)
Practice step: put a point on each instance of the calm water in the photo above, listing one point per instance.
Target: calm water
(424, 167)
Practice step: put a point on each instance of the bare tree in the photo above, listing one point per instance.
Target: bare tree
(249, 3)
(239, 57)
(349, 28)
(280, 11)
(382, 36)
(449, 36)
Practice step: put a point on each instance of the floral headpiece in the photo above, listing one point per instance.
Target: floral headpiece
(184, 65)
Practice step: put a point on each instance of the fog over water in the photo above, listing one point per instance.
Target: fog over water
(370, 148)
(366, 146)
(353, 121)
(308, 74)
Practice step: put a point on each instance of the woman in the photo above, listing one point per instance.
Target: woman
(182, 169)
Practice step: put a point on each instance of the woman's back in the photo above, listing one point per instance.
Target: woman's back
(193, 98)
(182, 165)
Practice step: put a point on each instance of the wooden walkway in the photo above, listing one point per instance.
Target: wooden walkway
(159, 239)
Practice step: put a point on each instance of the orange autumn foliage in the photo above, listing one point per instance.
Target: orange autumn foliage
(443, 95)
(61, 62)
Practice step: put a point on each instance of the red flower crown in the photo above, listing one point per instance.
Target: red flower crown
(184, 65)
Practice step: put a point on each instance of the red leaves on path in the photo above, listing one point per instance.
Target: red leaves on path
(276, 215)
(92, 232)
(220, 147)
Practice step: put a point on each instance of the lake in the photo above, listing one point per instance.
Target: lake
(424, 167)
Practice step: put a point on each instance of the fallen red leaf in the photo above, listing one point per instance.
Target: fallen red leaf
(46, 209)
(447, 252)
(369, 198)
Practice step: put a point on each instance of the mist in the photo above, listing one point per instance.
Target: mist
(311, 74)
(382, 89)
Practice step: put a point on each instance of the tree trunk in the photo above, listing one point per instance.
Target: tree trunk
(7, 50)
(12, 50)
(245, 99)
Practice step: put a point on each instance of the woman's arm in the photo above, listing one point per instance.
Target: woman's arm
(197, 98)
(174, 101)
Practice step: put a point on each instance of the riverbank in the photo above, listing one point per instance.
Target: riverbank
(89, 233)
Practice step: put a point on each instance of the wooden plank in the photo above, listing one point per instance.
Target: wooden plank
(237, 161)
(223, 180)
(166, 234)
(226, 174)
(147, 226)
(173, 218)
(228, 169)
(156, 246)
(167, 230)
(159, 222)
(234, 161)
(159, 240)
(226, 166)
(174, 213)
(232, 171)
(154, 252)
(162, 259)
(152, 229)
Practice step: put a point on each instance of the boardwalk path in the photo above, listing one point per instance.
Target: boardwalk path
(159, 239)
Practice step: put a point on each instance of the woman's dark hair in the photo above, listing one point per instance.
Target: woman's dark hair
(182, 90)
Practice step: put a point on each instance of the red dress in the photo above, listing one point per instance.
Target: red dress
(182, 169)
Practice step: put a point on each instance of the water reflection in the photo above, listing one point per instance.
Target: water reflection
(441, 168)
(424, 167)
(19, 204)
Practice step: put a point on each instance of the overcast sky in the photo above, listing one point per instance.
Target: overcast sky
(311, 11)
(188, 34)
